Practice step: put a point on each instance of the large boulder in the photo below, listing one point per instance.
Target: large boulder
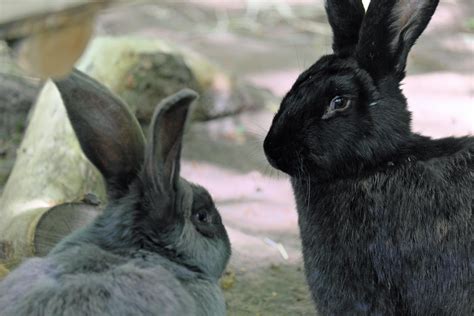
(143, 71)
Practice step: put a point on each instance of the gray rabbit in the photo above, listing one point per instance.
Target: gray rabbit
(158, 248)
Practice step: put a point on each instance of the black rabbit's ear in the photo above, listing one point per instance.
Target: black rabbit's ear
(108, 132)
(345, 18)
(389, 30)
(162, 161)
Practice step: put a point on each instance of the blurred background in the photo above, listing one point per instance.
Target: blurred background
(242, 56)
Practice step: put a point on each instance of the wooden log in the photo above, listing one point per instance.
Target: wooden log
(50, 170)
(60, 221)
(47, 37)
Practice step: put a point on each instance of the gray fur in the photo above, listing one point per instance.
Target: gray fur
(152, 251)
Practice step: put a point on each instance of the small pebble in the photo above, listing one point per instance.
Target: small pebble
(228, 280)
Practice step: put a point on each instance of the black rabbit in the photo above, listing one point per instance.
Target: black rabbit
(158, 248)
(385, 214)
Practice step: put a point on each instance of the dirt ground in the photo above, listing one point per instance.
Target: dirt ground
(270, 44)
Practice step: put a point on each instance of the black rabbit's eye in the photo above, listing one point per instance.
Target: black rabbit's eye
(201, 216)
(339, 103)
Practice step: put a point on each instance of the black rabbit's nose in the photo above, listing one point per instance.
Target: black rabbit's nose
(273, 162)
(280, 161)
(270, 149)
(277, 155)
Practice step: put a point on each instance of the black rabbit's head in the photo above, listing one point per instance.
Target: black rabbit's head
(346, 111)
(150, 206)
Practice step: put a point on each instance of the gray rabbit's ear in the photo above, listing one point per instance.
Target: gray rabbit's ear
(389, 30)
(345, 18)
(108, 132)
(162, 161)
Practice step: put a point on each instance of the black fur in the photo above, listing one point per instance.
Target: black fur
(345, 18)
(385, 214)
(148, 253)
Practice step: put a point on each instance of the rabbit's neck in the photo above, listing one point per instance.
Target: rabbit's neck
(365, 163)
(446, 151)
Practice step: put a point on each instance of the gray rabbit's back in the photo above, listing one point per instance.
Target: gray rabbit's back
(86, 280)
(89, 281)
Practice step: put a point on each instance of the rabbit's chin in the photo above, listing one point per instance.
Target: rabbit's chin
(296, 167)
(293, 167)
(323, 168)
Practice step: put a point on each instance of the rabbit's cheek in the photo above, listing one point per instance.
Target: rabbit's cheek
(206, 230)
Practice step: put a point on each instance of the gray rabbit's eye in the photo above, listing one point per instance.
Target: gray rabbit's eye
(201, 216)
(338, 104)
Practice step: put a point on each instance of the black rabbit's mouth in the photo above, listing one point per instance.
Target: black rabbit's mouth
(282, 165)
(284, 158)
(278, 162)
(284, 149)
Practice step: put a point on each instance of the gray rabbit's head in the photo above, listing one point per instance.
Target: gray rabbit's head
(150, 206)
